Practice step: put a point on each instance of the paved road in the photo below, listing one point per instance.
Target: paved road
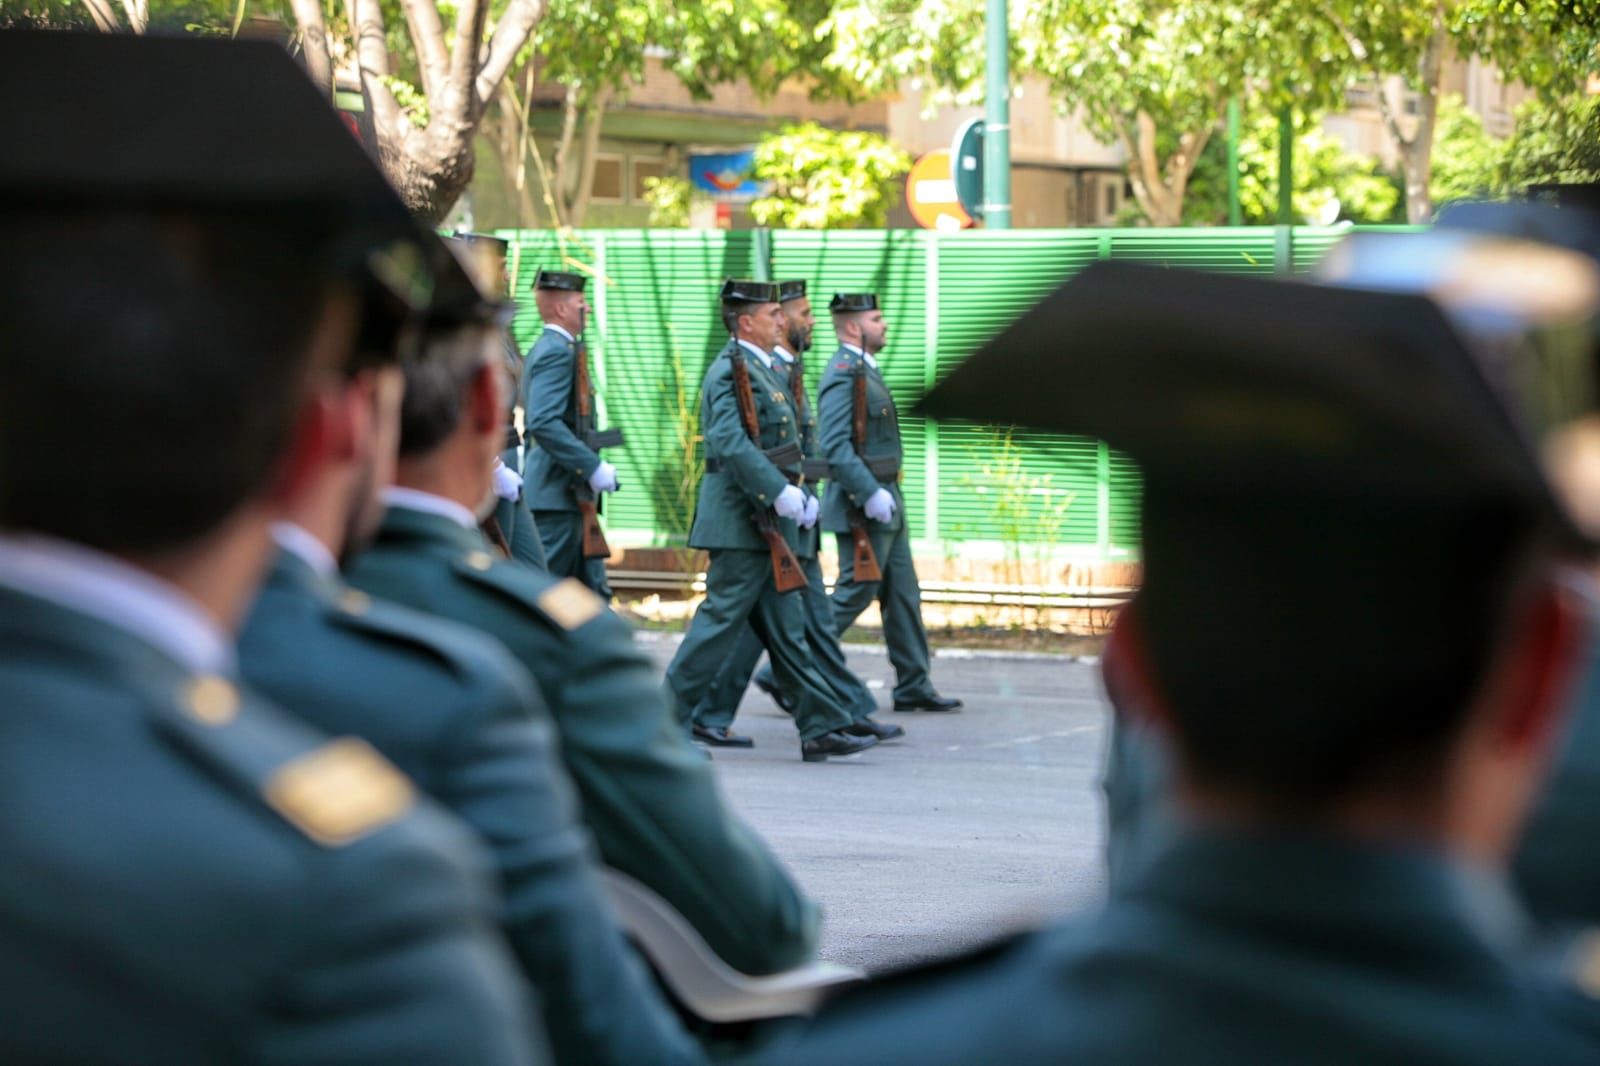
(977, 823)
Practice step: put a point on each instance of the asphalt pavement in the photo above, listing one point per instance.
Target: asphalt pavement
(976, 824)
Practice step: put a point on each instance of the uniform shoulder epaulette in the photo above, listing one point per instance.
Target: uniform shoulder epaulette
(333, 791)
(565, 602)
(412, 631)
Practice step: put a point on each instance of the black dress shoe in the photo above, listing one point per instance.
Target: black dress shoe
(721, 738)
(928, 703)
(770, 687)
(868, 728)
(835, 743)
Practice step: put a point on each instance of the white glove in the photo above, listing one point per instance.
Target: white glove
(604, 478)
(507, 485)
(880, 506)
(791, 502)
(813, 510)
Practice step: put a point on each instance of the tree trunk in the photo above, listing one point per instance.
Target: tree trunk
(314, 39)
(1159, 186)
(431, 167)
(1416, 152)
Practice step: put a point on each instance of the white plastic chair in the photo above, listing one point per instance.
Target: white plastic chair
(706, 985)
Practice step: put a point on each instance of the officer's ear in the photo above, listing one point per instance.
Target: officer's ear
(1498, 763)
(320, 431)
(1529, 690)
(486, 400)
(1125, 671)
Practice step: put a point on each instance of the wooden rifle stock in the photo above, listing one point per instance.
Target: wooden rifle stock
(594, 538)
(786, 573)
(866, 561)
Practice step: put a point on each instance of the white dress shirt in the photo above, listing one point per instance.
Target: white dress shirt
(119, 594)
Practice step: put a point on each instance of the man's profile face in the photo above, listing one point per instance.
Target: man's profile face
(386, 387)
(874, 331)
(764, 325)
(799, 323)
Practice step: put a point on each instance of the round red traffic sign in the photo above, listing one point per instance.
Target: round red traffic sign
(931, 193)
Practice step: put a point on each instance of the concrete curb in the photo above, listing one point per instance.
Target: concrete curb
(656, 636)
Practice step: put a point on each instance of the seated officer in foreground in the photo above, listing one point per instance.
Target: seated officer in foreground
(191, 875)
(454, 712)
(647, 795)
(1355, 628)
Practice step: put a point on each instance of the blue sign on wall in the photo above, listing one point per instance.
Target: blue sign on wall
(725, 176)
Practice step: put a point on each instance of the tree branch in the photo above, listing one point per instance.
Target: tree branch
(427, 36)
(138, 14)
(104, 15)
(510, 34)
(455, 108)
(372, 57)
(594, 117)
(1141, 194)
(314, 39)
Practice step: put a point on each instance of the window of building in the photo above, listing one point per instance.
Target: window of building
(646, 167)
(1112, 191)
(607, 184)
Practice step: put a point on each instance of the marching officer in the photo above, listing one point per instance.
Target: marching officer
(563, 467)
(864, 490)
(721, 703)
(753, 479)
(188, 236)
(646, 794)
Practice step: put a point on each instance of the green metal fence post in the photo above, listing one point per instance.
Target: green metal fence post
(1235, 208)
(930, 374)
(997, 120)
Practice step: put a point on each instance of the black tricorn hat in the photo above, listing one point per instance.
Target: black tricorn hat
(1236, 385)
(791, 290)
(853, 301)
(557, 279)
(466, 291)
(197, 126)
(736, 291)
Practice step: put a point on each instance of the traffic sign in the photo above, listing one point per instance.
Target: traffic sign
(931, 193)
(966, 161)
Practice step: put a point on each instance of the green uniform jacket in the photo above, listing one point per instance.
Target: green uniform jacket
(163, 899)
(549, 416)
(794, 387)
(748, 480)
(1232, 948)
(461, 718)
(647, 795)
(853, 484)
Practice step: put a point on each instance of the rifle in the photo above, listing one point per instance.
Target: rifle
(866, 561)
(786, 573)
(594, 539)
(814, 469)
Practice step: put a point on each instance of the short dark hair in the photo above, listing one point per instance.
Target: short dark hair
(1310, 650)
(730, 315)
(437, 379)
(154, 366)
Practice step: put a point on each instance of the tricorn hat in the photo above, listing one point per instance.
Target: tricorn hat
(791, 290)
(843, 302)
(560, 280)
(735, 291)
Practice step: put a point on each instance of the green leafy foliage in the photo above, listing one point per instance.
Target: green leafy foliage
(1465, 155)
(827, 179)
(669, 197)
(1325, 171)
(1556, 140)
